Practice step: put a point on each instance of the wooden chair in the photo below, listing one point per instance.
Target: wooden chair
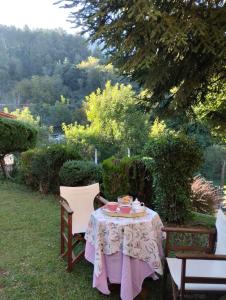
(77, 204)
(194, 272)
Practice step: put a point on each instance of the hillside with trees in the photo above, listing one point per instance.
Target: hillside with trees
(50, 71)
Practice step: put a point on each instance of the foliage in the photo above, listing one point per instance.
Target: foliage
(114, 115)
(214, 156)
(193, 128)
(47, 89)
(25, 53)
(36, 74)
(41, 166)
(24, 114)
(175, 159)
(205, 197)
(16, 136)
(79, 173)
(128, 176)
(213, 110)
(56, 114)
(158, 127)
(97, 73)
(161, 44)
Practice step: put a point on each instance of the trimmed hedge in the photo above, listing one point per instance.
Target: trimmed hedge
(16, 136)
(175, 160)
(128, 176)
(79, 173)
(41, 166)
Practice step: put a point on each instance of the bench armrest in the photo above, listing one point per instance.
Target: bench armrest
(189, 230)
(65, 206)
(193, 230)
(201, 256)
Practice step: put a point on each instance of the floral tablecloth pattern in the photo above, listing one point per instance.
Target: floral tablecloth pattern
(139, 238)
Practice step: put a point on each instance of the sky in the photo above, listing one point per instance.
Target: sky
(35, 14)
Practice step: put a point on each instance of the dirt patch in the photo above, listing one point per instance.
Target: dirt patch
(3, 273)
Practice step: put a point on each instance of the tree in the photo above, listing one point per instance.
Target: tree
(213, 111)
(24, 115)
(16, 136)
(39, 89)
(161, 44)
(115, 118)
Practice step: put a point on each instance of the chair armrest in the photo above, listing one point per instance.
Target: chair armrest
(201, 256)
(193, 230)
(101, 200)
(189, 230)
(65, 206)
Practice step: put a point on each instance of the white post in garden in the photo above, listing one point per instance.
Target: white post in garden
(96, 162)
(128, 149)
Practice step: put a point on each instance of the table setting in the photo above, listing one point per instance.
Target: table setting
(124, 243)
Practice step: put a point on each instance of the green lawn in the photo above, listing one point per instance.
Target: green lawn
(30, 267)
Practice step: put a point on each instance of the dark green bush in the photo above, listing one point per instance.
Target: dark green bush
(41, 166)
(79, 173)
(128, 176)
(175, 159)
(16, 136)
(26, 167)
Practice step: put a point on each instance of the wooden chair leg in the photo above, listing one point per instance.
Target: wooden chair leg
(62, 242)
(69, 251)
(164, 284)
(175, 291)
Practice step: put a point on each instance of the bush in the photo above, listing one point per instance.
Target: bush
(175, 159)
(79, 173)
(128, 176)
(41, 166)
(213, 161)
(16, 136)
(25, 168)
(205, 197)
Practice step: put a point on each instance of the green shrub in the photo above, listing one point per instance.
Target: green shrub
(128, 176)
(175, 159)
(79, 173)
(25, 168)
(41, 166)
(16, 136)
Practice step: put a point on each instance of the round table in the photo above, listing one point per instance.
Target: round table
(124, 250)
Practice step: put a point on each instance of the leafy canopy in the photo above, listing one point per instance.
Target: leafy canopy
(213, 111)
(161, 44)
(114, 115)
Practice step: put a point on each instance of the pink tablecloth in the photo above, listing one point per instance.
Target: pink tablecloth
(124, 250)
(119, 268)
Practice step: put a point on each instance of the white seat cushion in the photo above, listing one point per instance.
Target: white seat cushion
(221, 233)
(198, 268)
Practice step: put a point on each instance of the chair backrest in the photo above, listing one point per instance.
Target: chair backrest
(221, 233)
(80, 200)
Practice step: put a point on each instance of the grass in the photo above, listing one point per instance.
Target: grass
(30, 267)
